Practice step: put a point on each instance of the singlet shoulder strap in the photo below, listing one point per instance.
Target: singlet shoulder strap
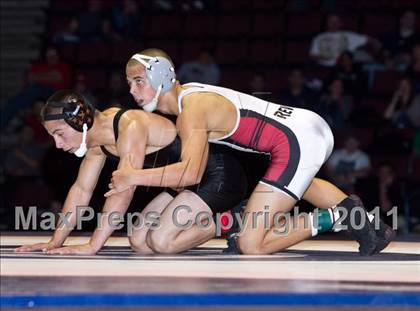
(193, 87)
(115, 123)
(109, 154)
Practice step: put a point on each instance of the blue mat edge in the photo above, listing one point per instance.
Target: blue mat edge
(212, 299)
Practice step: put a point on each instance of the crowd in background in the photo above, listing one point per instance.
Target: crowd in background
(377, 138)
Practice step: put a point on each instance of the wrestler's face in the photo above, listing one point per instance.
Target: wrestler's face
(65, 137)
(140, 87)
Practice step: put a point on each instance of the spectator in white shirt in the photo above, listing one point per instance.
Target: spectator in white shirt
(327, 46)
(348, 164)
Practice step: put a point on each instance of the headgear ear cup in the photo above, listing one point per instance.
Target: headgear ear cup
(161, 74)
(83, 113)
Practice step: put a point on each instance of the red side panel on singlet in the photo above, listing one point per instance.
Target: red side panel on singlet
(259, 134)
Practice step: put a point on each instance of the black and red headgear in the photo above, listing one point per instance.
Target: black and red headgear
(75, 109)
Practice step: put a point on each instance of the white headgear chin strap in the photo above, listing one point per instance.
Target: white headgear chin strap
(81, 151)
(150, 107)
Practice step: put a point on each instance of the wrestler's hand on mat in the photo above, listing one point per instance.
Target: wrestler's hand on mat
(122, 179)
(37, 247)
(85, 249)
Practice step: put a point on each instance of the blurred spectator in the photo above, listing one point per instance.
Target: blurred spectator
(81, 86)
(44, 78)
(204, 69)
(413, 71)
(348, 164)
(258, 87)
(354, 80)
(397, 47)
(185, 5)
(414, 111)
(404, 109)
(330, 5)
(127, 19)
(198, 5)
(383, 190)
(24, 181)
(108, 34)
(298, 5)
(414, 165)
(52, 72)
(327, 46)
(334, 106)
(90, 21)
(297, 94)
(32, 119)
(70, 34)
(257, 83)
(165, 5)
(116, 94)
(416, 144)
(24, 160)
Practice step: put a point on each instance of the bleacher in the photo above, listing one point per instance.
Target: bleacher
(268, 36)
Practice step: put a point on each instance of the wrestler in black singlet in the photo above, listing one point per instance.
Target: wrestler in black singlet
(224, 183)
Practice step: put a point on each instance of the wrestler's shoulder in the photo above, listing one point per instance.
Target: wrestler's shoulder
(207, 100)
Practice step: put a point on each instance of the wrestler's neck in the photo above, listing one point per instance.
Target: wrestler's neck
(102, 131)
(168, 102)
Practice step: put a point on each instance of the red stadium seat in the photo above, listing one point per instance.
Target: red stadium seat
(373, 4)
(58, 24)
(404, 4)
(415, 170)
(318, 73)
(237, 79)
(297, 52)
(386, 82)
(65, 5)
(92, 53)
(68, 52)
(351, 22)
(228, 52)
(376, 105)
(121, 52)
(191, 49)
(276, 80)
(163, 26)
(233, 25)
(266, 52)
(199, 26)
(304, 24)
(379, 25)
(235, 5)
(269, 4)
(96, 79)
(268, 25)
(170, 47)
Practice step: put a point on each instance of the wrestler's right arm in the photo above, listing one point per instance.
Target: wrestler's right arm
(78, 196)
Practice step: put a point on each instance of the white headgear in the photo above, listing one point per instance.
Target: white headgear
(160, 73)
